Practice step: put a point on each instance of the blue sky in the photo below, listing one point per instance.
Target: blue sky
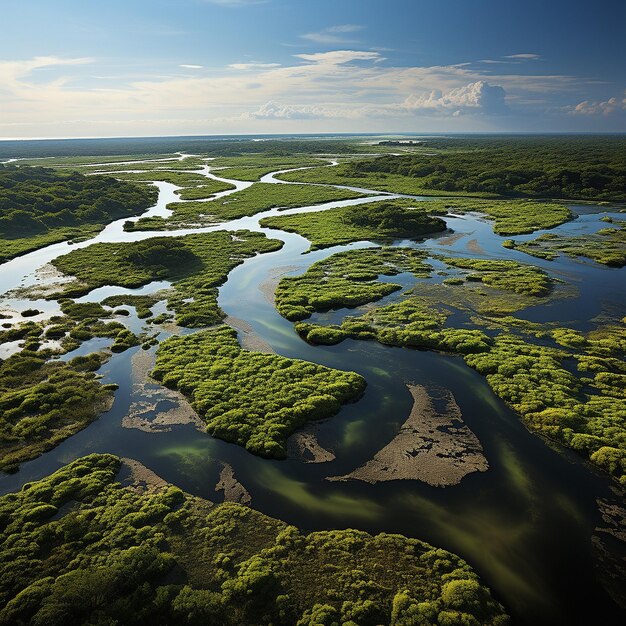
(71, 68)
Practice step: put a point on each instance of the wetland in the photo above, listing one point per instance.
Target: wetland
(365, 402)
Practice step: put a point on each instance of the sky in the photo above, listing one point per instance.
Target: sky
(88, 68)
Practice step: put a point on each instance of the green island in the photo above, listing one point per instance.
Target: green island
(606, 246)
(196, 264)
(377, 221)
(79, 322)
(346, 279)
(204, 190)
(44, 402)
(40, 206)
(516, 217)
(223, 381)
(91, 545)
(587, 168)
(508, 275)
(255, 199)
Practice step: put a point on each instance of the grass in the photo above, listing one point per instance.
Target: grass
(343, 174)
(11, 248)
(515, 217)
(205, 190)
(377, 221)
(255, 199)
(223, 382)
(78, 547)
(196, 265)
(253, 167)
(607, 246)
(508, 275)
(347, 279)
(43, 403)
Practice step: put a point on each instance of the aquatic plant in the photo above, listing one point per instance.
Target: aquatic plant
(224, 384)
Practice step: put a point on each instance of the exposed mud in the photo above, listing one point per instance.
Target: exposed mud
(433, 446)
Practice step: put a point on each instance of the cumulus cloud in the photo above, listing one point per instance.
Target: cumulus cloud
(606, 107)
(478, 97)
(341, 87)
(276, 111)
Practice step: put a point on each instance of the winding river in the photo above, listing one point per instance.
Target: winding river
(525, 525)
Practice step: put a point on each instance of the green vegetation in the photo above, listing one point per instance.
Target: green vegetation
(80, 548)
(345, 174)
(255, 199)
(522, 368)
(182, 179)
(376, 221)
(142, 304)
(508, 275)
(205, 190)
(42, 403)
(409, 322)
(80, 322)
(591, 168)
(224, 384)
(196, 265)
(515, 217)
(347, 279)
(555, 402)
(585, 414)
(253, 167)
(607, 246)
(39, 206)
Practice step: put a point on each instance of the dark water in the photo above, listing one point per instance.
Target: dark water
(525, 524)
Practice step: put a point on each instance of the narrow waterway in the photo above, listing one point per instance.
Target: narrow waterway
(525, 525)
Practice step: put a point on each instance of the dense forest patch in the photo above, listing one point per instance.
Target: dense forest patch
(224, 383)
(42, 403)
(80, 548)
(39, 206)
(196, 265)
(378, 221)
(568, 167)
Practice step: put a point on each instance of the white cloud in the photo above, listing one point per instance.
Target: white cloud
(339, 57)
(253, 66)
(340, 88)
(333, 34)
(478, 97)
(190, 66)
(276, 111)
(525, 56)
(607, 107)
